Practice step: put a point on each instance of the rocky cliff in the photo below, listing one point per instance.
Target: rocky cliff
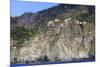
(60, 33)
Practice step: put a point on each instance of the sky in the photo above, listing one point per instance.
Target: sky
(20, 7)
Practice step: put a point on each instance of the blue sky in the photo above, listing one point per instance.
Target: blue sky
(20, 7)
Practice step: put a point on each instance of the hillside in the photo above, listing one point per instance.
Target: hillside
(60, 33)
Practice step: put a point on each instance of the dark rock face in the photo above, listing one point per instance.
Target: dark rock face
(61, 33)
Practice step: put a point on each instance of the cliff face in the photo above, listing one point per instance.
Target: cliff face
(60, 33)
